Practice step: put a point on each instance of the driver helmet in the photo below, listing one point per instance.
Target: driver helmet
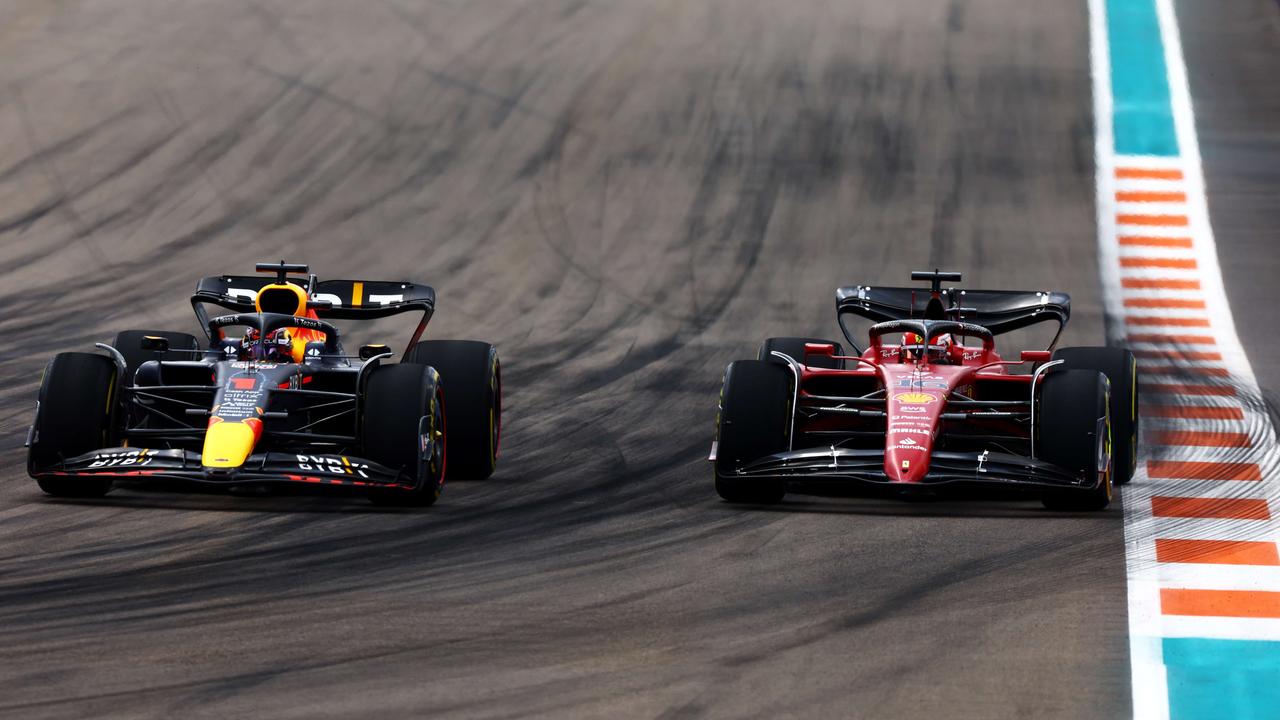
(275, 347)
(944, 342)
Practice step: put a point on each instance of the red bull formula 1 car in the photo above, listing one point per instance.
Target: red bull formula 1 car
(272, 398)
(930, 407)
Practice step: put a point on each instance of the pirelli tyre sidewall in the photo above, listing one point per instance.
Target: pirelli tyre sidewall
(1121, 368)
(404, 428)
(472, 378)
(1075, 433)
(754, 421)
(75, 414)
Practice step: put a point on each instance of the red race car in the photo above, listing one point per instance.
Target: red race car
(930, 407)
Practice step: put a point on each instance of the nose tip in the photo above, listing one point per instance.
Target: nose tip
(220, 474)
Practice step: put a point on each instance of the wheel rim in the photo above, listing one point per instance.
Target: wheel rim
(495, 411)
(1105, 454)
(438, 428)
(1133, 415)
(433, 466)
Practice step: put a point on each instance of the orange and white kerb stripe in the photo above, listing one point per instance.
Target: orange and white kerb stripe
(1201, 527)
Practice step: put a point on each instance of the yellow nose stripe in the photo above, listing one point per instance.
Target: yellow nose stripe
(227, 444)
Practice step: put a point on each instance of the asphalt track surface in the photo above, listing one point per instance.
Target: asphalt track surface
(624, 197)
(1233, 58)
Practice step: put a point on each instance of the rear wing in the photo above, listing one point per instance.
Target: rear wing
(330, 299)
(1000, 311)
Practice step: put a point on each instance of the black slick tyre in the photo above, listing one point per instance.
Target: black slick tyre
(472, 377)
(754, 421)
(403, 428)
(794, 347)
(129, 343)
(75, 416)
(1121, 368)
(1075, 434)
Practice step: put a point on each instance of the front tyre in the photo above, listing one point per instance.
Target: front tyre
(470, 371)
(754, 421)
(75, 416)
(1075, 434)
(403, 429)
(1121, 368)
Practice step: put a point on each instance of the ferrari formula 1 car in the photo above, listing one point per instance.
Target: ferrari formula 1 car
(273, 398)
(929, 407)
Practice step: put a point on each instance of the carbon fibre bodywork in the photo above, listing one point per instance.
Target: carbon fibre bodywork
(221, 418)
(999, 311)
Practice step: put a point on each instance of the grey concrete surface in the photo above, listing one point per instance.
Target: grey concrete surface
(1233, 61)
(624, 197)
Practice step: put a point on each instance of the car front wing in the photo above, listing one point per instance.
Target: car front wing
(946, 469)
(261, 468)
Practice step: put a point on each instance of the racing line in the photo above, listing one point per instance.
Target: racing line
(1200, 528)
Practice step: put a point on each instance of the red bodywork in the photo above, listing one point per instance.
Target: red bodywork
(919, 393)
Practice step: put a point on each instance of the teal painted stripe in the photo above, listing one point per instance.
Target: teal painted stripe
(1142, 114)
(1238, 679)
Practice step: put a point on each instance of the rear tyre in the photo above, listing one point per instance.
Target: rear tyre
(1075, 434)
(794, 347)
(129, 343)
(754, 421)
(75, 416)
(1121, 369)
(471, 374)
(403, 429)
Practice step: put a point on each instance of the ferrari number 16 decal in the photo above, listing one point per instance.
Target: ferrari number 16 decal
(928, 383)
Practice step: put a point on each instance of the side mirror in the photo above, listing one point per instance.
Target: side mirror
(155, 343)
(823, 349)
(1035, 356)
(373, 350)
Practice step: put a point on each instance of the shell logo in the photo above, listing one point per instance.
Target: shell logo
(916, 398)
